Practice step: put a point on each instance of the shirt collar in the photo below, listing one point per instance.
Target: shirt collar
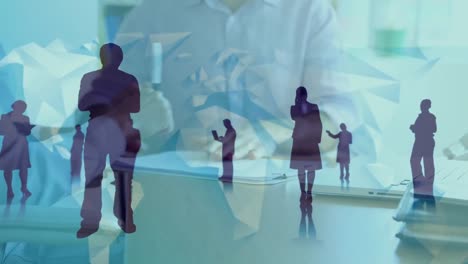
(274, 3)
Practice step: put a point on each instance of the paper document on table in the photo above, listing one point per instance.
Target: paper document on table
(430, 219)
(451, 179)
(435, 210)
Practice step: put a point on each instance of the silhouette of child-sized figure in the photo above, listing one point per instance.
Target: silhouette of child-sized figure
(76, 158)
(14, 155)
(423, 148)
(307, 134)
(110, 95)
(343, 156)
(229, 142)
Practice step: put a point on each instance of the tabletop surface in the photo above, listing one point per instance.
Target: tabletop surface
(188, 220)
(185, 221)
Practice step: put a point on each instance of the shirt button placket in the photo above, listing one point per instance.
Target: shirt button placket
(228, 44)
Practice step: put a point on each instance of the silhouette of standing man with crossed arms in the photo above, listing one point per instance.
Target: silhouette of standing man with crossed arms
(110, 95)
(423, 149)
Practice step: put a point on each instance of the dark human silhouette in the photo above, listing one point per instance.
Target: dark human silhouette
(307, 134)
(76, 154)
(14, 155)
(423, 148)
(306, 225)
(229, 142)
(110, 95)
(342, 156)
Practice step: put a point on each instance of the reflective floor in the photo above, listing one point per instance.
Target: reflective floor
(186, 220)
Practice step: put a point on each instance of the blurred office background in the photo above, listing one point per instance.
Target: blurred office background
(391, 35)
(422, 44)
(377, 23)
(365, 23)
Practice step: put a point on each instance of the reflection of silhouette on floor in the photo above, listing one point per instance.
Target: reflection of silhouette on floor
(14, 155)
(424, 196)
(60, 249)
(110, 95)
(229, 142)
(9, 201)
(6, 211)
(76, 158)
(307, 134)
(343, 186)
(306, 226)
(423, 148)
(342, 156)
(228, 187)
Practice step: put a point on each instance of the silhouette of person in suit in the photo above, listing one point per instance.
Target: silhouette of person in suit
(307, 134)
(423, 148)
(306, 226)
(110, 95)
(343, 156)
(14, 154)
(76, 154)
(229, 142)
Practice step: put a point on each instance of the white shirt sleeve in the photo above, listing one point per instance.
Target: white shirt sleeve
(321, 75)
(327, 83)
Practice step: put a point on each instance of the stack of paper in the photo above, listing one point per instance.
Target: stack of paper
(437, 215)
(432, 219)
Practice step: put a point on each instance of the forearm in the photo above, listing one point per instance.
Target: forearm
(332, 135)
(90, 100)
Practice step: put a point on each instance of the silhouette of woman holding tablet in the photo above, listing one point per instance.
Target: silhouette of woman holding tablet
(307, 135)
(14, 155)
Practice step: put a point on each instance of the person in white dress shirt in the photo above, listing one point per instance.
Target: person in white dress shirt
(242, 60)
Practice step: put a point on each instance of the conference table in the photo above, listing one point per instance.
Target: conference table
(185, 220)
(190, 220)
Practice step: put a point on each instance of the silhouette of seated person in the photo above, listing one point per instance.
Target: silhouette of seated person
(14, 155)
(343, 156)
(307, 134)
(76, 159)
(423, 149)
(229, 145)
(110, 95)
